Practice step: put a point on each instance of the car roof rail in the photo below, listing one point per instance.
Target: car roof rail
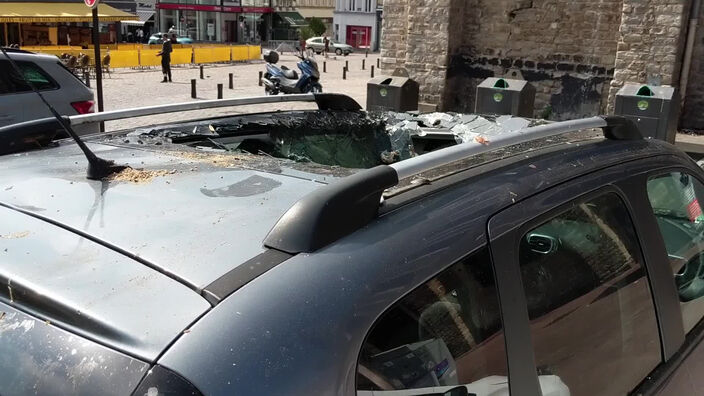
(342, 207)
(325, 101)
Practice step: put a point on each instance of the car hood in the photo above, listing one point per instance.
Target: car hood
(198, 217)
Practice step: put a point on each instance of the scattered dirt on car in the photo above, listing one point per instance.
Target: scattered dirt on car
(137, 175)
(15, 235)
(223, 160)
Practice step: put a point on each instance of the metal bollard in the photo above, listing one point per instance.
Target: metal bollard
(325, 67)
(219, 91)
(362, 64)
(201, 73)
(260, 78)
(366, 55)
(232, 84)
(344, 73)
(372, 71)
(347, 65)
(193, 88)
(377, 63)
(86, 77)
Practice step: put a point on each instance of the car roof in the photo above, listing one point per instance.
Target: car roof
(236, 198)
(30, 56)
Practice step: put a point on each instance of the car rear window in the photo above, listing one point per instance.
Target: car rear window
(445, 333)
(11, 82)
(592, 316)
(676, 201)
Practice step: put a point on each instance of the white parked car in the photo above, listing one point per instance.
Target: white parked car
(317, 44)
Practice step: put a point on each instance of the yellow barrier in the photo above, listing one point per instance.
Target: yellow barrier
(240, 53)
(181, 56)
(130, 46)
(149, 58)
(254, 51)
(124, 58)
(202, 55)
(146, 55)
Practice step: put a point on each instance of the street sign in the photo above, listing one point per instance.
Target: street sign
(91, 3)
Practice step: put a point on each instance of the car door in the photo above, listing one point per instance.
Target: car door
(20, 103)
(672, 201)
(585, 298)
(9, 112)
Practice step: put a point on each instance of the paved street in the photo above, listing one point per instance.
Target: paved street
(126, 88)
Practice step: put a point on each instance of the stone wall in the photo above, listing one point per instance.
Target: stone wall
(565, 48)
(651, 42)
(577, 53)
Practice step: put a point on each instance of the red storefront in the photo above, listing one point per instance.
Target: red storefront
(359, 36)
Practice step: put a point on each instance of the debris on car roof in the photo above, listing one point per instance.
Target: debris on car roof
(347, 139)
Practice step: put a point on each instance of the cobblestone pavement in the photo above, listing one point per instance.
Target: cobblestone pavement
(125, 88)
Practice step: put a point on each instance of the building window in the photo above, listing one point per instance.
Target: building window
(593, 322)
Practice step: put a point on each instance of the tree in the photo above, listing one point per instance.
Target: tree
(317, 26)
(306, 33)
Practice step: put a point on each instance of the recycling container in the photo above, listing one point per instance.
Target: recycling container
(395, 93)
(655, 109)
(505, 96)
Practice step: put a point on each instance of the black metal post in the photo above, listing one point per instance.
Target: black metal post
(232, 84)
(86, 77)
(219, 91)
(98, 67)
(344, 73)
(193, 88)
(347, 64)
(366, 54)
(201, 73)
(362, 64)
(372, 71)
(377, 63)
(260, 78)
(325, 67)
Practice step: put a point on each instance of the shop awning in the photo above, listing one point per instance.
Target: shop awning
(143, 16)
(315, 12)
(292, 19)
(59, 12)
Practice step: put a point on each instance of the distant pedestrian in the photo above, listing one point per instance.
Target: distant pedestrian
(140, 35)
(326, 49)
(302, 43)
(165, 54)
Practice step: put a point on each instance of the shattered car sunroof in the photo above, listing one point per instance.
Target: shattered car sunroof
(344, 139)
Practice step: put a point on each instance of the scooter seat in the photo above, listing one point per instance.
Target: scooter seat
(288, 73)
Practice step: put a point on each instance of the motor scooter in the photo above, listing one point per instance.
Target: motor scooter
(282, 79)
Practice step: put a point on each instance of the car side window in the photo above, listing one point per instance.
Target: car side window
(444, 334)
(14, 83)
(592, 317)
(674, 198)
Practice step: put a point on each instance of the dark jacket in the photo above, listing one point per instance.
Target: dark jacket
(166, 50)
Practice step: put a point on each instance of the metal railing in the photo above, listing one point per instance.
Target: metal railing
(185, 106)
(434, 159)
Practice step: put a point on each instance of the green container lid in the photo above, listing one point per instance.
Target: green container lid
(501, 83)
(645, 91)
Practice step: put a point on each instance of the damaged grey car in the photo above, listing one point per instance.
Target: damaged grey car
(333, 251)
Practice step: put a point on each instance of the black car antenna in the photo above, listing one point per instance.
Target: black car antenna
(98, 168)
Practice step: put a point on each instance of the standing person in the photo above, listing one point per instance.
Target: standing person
(140, 35)
(326, 41)
(165, 54)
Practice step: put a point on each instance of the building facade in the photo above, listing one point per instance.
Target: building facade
(576, 53)
(234, 21)
(321, 9)
(355, 22)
